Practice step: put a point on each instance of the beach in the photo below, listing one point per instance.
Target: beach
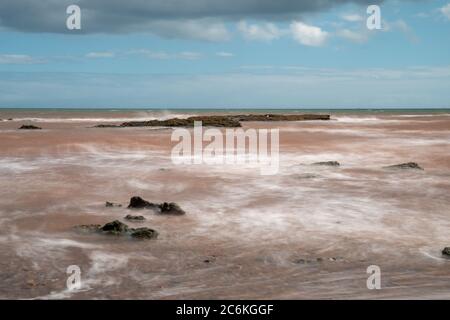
(308, 232)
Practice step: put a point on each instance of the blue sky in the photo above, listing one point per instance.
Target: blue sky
(314, 58)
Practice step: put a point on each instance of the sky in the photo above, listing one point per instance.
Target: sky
(225, 54)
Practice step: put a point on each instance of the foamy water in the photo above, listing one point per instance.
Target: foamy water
(307, 232)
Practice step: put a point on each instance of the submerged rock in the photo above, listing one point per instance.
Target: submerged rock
(144, 233)
(327, 163)
(407, 165)
(446, 251)
(115, 227)
(112, 204)
(139, 203)
(135, 218)
(29, 127)
(171, 208)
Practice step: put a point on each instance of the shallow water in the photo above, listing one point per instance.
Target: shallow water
(307, 232)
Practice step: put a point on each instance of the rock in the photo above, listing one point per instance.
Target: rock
(327, 163)
(10, 119)
(144, 233)
(112, 204)
(115, 227)
(171, 208)
(135, 218)
(88, 227)
(119, 229)
(229, 121)
(139, 203)
(446, 251)
(407, 165)
(29, 127)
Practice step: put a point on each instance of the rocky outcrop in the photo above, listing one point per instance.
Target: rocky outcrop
(118, 228)
(403, 166)
(446, 251)
(229, 121)
(29, 127)
(164, 208)
(171, 208)
(139, 203)
(327, 163)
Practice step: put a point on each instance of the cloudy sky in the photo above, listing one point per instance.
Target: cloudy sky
(234, 53)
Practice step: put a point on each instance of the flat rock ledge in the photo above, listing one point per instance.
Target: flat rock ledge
(118, 228)
(229, 121)
(405, 166)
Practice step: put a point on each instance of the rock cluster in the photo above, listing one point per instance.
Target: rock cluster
(29, 127)
(164, 208)
(229, 121)
(118, 228)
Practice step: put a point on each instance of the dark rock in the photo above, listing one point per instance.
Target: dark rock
(10, 119)
(112, 204)
(171, 208)
(135, 218)
(144, 233)
(230, 121)
(327, 163)
(115, 227)
(407, 165)
(119, 229)
(139, 203)
(446, 251)
(29, 127)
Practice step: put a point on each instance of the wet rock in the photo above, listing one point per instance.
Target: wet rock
(118, 228)
(144, 233)
(171, 208)
(327, 163)
(446, 251)
(229, 121)
(139, 203)
(407, 165)
(115, 227)
(135, 218)
(10, 119)
(112, 204)
(29, 127)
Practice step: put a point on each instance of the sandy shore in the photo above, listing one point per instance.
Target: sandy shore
(307, 232)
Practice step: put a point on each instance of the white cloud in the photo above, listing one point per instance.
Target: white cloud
(352, 17)
(308, 35)
(224, 54)
(18, 59)
(446, 10)
(263, 32)
(354, 36)
(95, 55)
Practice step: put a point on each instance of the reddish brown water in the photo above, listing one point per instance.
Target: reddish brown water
(253, 230)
